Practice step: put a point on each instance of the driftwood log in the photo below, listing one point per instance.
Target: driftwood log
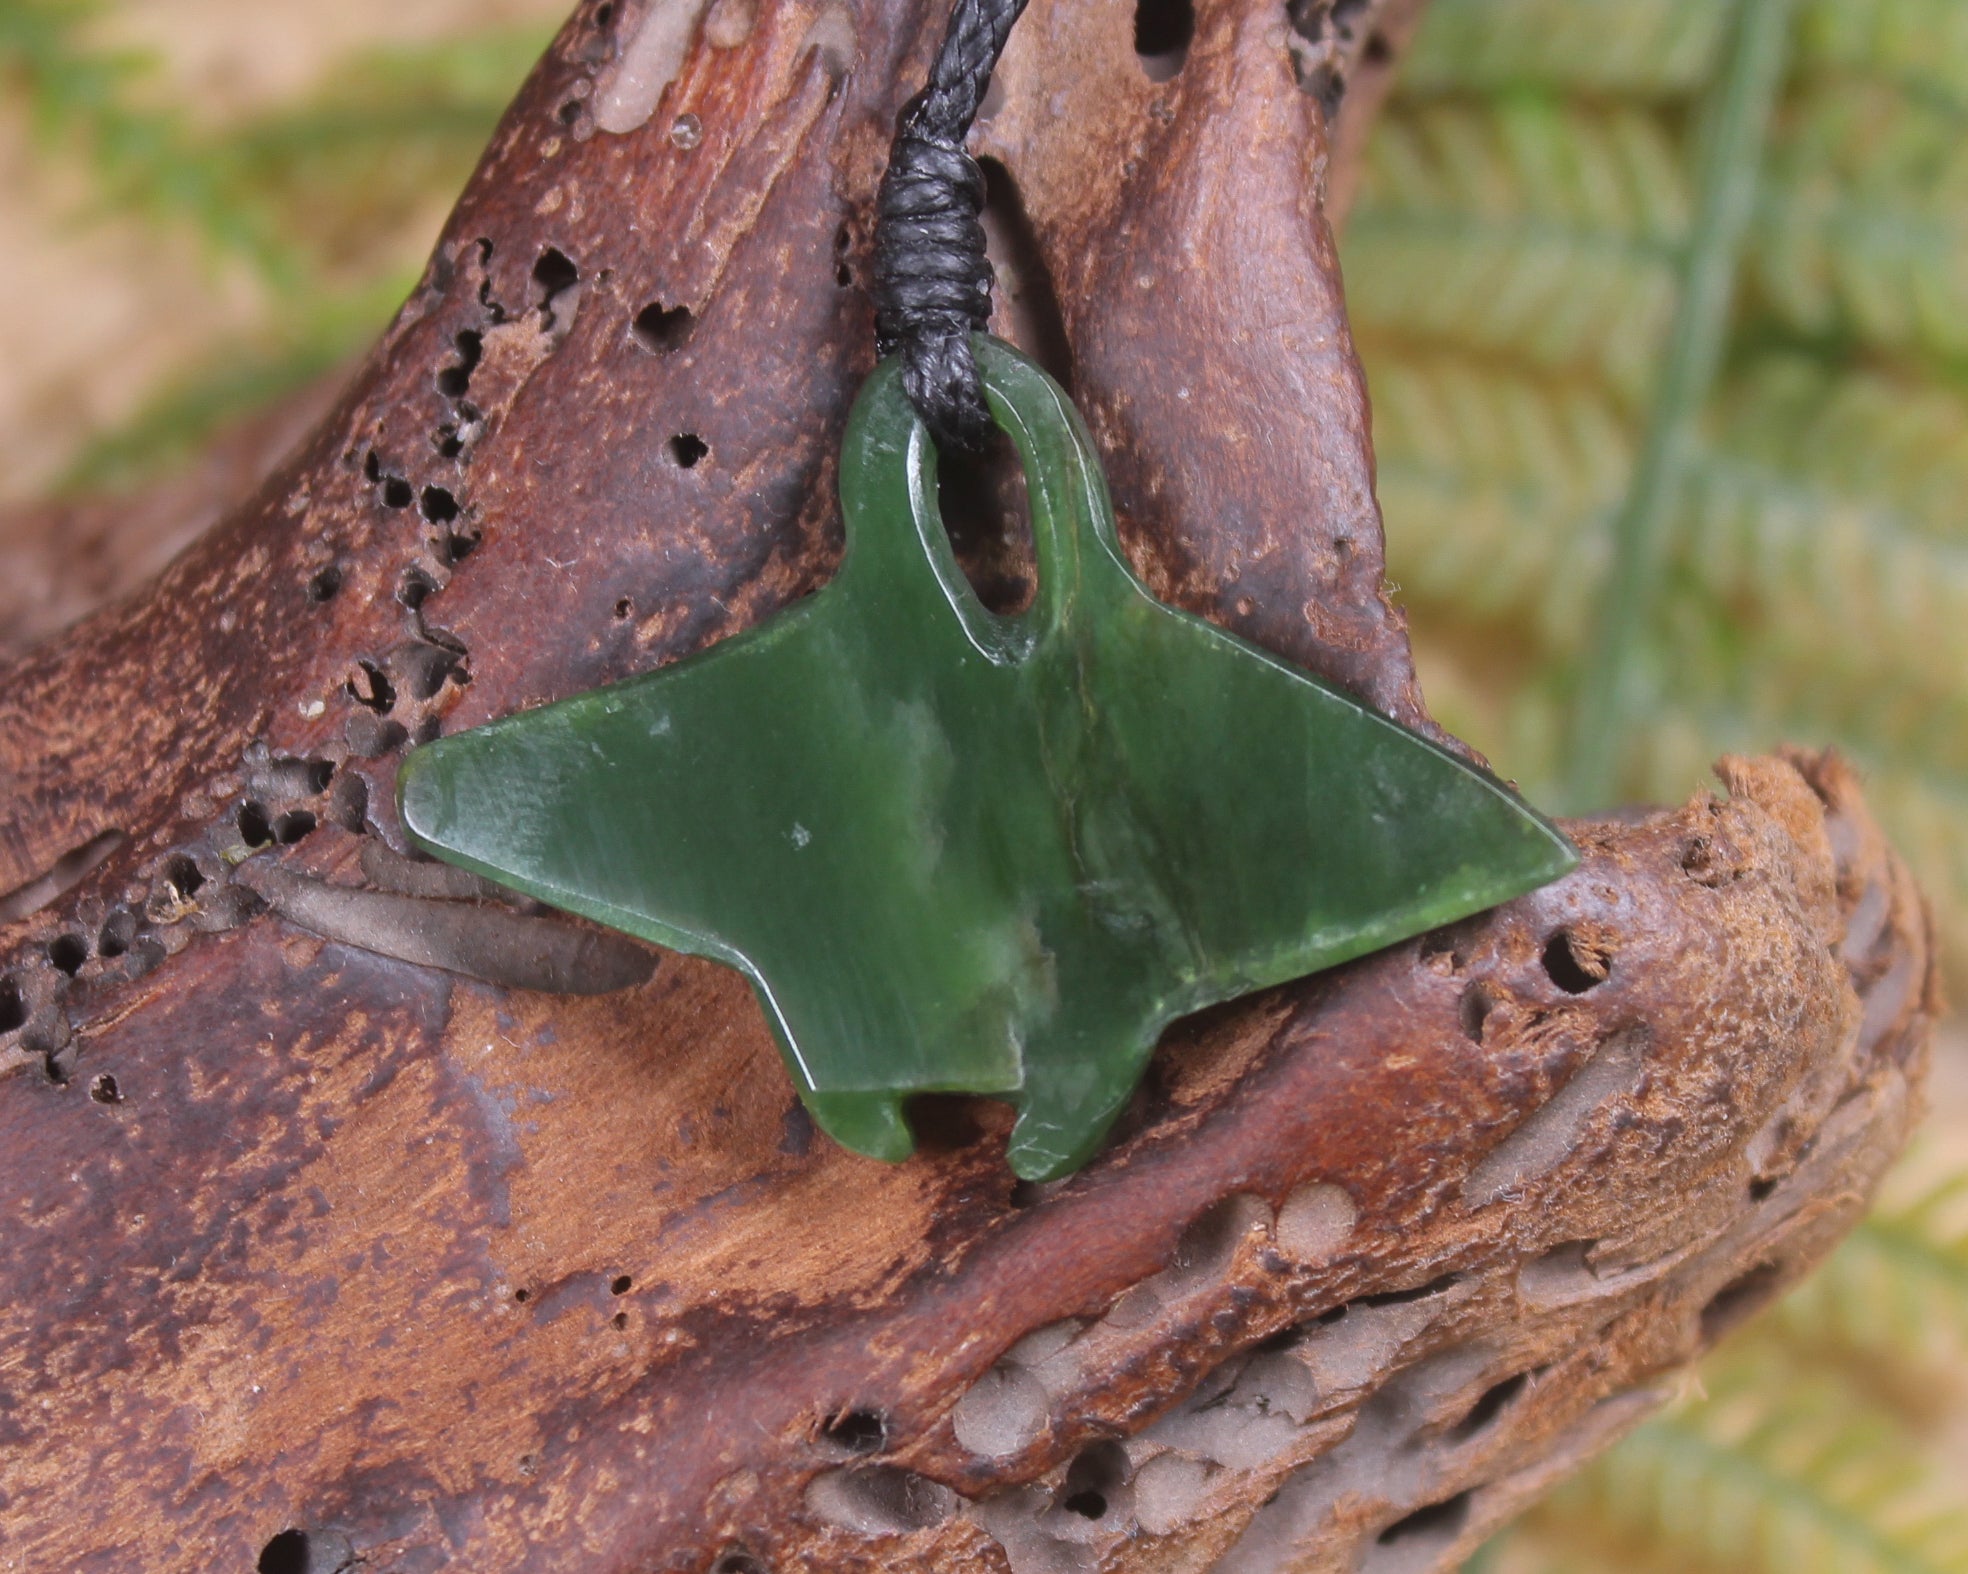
(333, 1238)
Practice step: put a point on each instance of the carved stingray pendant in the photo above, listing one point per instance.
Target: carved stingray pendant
(963, 852)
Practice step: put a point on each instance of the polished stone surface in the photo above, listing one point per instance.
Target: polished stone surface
(964, 852)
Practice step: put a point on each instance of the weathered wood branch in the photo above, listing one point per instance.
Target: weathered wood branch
(320, 1246)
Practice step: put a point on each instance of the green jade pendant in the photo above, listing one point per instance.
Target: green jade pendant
(962, 852)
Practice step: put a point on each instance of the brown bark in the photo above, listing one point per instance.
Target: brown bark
(442, 1271)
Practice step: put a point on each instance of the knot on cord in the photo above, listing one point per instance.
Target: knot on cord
(932, 280)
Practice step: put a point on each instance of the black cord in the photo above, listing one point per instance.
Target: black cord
(932, 280)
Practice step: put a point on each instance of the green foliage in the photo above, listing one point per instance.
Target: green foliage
(328, 203)
(1516, 263)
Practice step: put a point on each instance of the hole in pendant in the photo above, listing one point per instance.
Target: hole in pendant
(988, 516)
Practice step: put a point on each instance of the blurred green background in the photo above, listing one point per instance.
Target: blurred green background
(1664, 308)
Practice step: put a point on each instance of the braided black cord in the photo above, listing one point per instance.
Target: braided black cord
(932, 281)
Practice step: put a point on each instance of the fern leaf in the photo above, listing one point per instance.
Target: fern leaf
(1895, 1295)
(1545, 234)
(1496, 489)
(1775, 1471)
(1863, 232)
(1652, 47)
(1920, 45)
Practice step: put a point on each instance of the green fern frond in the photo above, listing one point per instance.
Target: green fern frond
(143, 156)
(1497, 487)
(1778, 1471)
(1641, 47)
(1894, 1297)
(1863, 230)
(1920, 45)
(1543, 233)
(286, 190)
(232, 381)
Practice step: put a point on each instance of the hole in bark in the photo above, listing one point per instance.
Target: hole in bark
(104, 1090)
(371, 687)
(1486, 1409)
(857, 1431)
(1448, 1281)
(522, 1295)
(372, 466)
(604, 13)
(183, 877)
(1473, 1010)
(1095, 1481)
(554, 270)
(286, 1553)
(439, 506)
(324, 585)
(570, 112)
(878, 1500)
(1575, 967)
(455, 547)
(686, 449)
(68, 953)
(1739, 1300)
(660, 329)
(1205, 1249)
(414, 588)
(738, 1563)
(118, 930)
(455, 379)
(397, 492)
(13, 1009)
(292, 826)
(447, 442)
(1761, 1189)
(621, 1284)
(255, 830)
(1026, 295)
(349, 807)
(1163, 30)
(843, 270)
(59, 878)
(625, 608)
(1437, 1522)
(620, 1320)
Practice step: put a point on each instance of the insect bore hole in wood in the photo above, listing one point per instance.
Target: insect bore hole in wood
(1438, 1521)
(857, 1431)
(1163, 31)
(661, 329)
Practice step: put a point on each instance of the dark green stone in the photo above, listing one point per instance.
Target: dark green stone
(958, 851)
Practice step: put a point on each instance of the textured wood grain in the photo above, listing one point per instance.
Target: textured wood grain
(310, 1241)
